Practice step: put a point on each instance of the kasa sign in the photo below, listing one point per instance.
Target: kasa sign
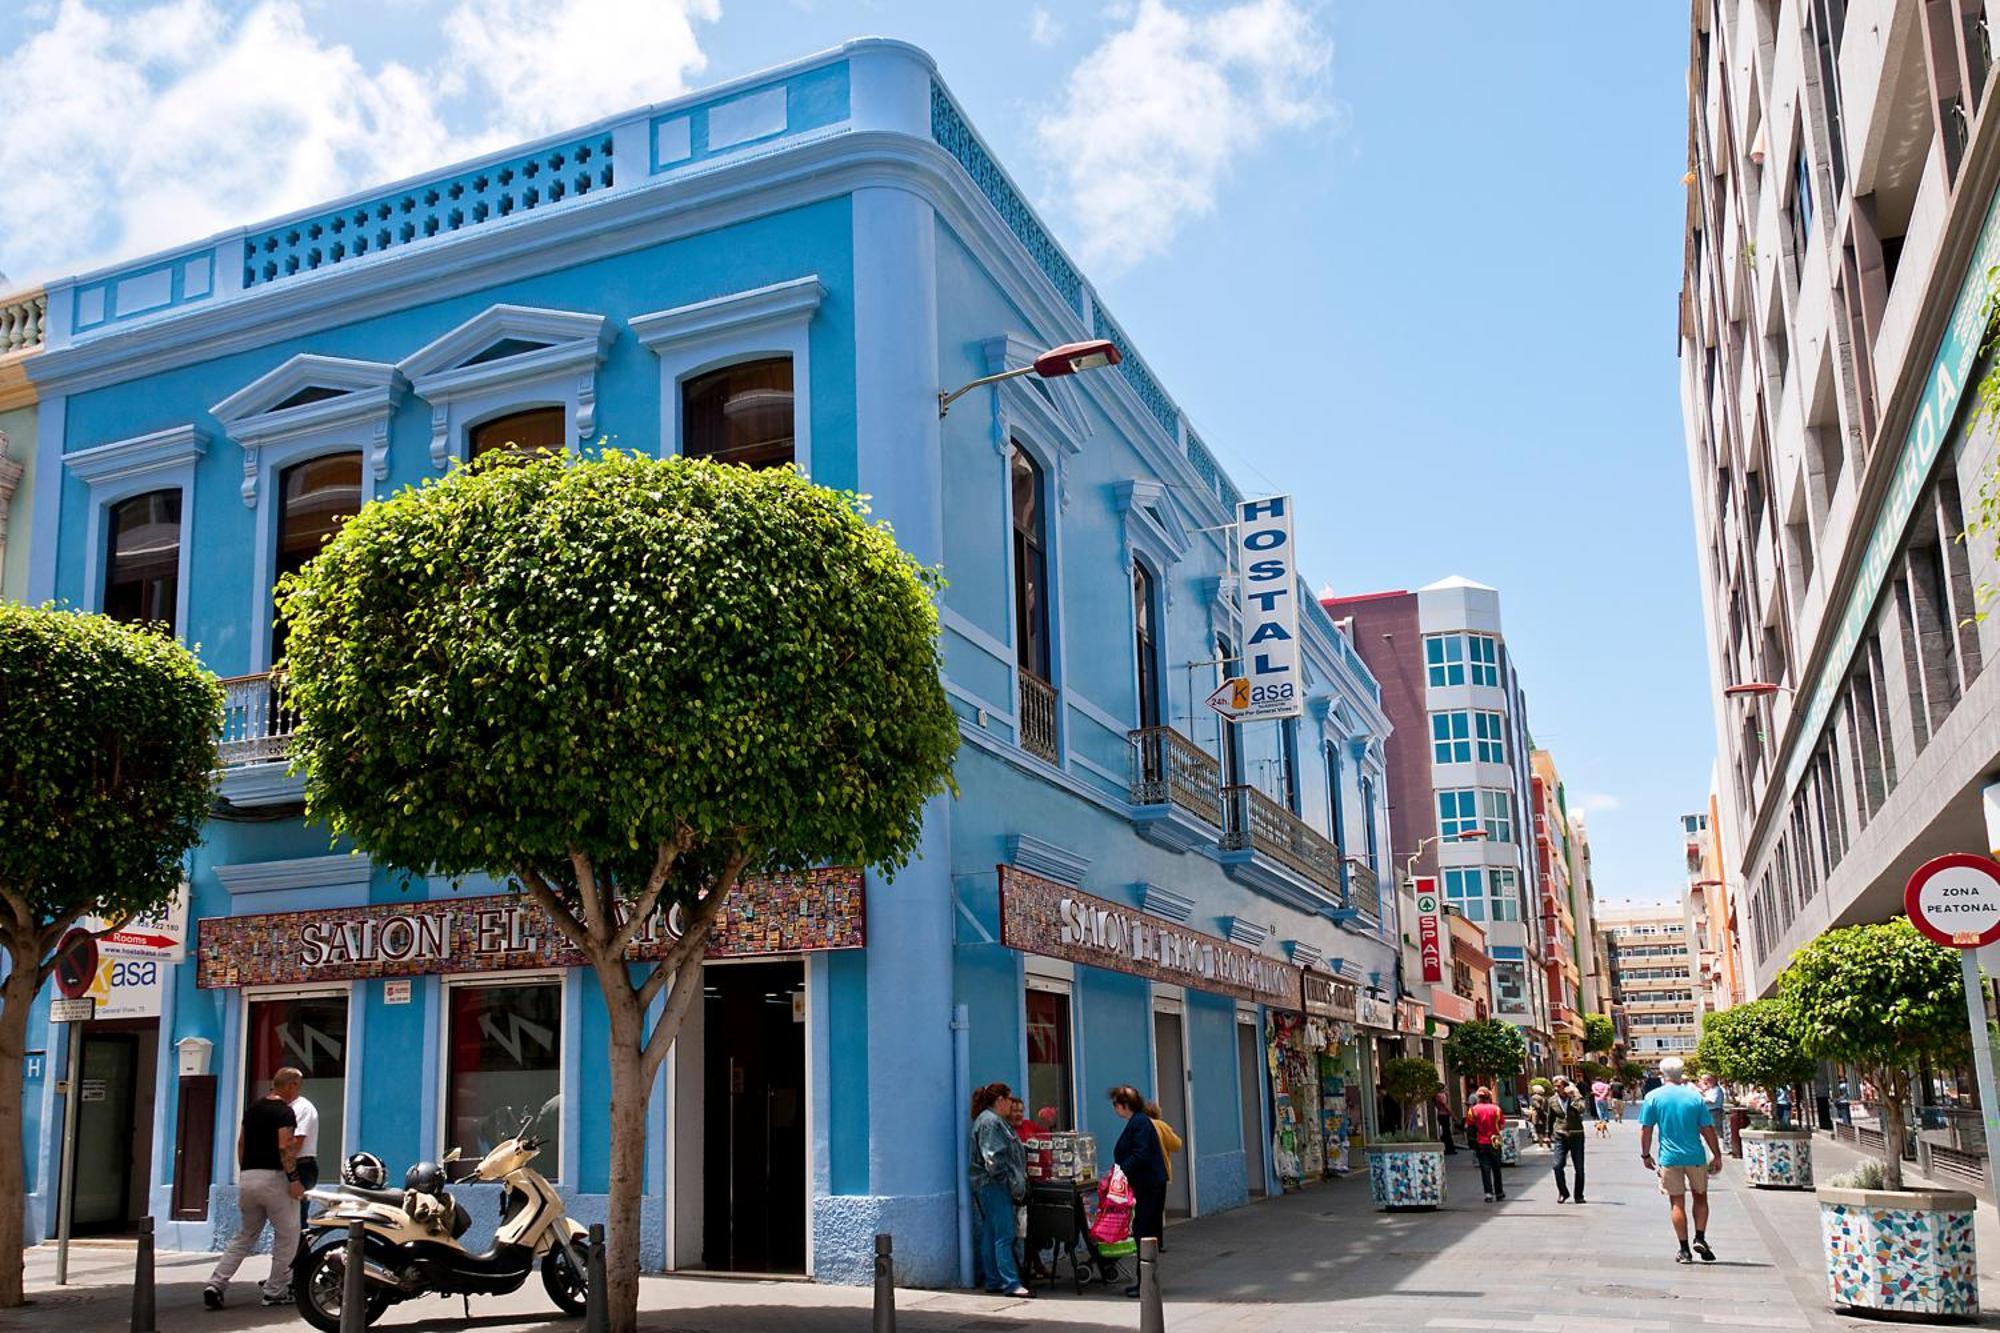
(1269, 686)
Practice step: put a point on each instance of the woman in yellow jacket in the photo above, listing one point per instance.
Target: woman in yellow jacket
(1170, 1143)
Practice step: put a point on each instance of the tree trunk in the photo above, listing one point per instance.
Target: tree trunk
(1892, 1129)
(17, 996)
(630, 1091)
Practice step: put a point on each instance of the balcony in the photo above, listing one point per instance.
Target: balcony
(1175, 789)
(1038, 716)
(23, 322)
(1364, 889)
(256, 721)
(1255, 822)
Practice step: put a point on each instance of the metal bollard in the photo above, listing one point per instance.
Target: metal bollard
(354, 1281)
(1152, 1319)
(885, 1285)
(143, 1320)
(596, 1300)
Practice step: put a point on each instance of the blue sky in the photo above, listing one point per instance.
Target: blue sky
(1416, 265)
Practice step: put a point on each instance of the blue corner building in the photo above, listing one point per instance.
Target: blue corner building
(787, 268)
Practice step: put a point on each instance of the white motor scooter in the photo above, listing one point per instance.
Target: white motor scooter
(412, 1240)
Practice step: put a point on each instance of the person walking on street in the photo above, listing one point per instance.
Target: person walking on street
(1600, 1092)
(1653, 1081)
(1482, 1127)
(1566, 1116)
(1139, 1156)
(1538, 1114)
(1689, 1153)
(306, 1130)
(1170, 1143)
(267, 1191)
(1442, 1105)
(1618, 1100)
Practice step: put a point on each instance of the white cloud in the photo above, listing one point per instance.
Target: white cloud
(1044, 28)
(1154, 118)
(1598, 802)
(134, 129)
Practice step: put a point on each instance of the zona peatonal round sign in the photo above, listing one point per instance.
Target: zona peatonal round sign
(1955, 899)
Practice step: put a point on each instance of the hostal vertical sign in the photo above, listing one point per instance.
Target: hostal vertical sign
(1270, 608)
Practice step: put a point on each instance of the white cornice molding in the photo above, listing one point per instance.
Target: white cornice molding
(369, 392)
(781, 303)
(620, 222)
(137, 456)
(335, 871)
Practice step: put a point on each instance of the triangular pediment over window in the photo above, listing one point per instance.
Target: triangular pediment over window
(506, 340)
(313, 398)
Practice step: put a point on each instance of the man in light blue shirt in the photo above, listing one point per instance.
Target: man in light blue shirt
(1689, 1151)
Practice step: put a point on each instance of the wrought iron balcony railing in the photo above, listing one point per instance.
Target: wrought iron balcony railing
(1038, 716)
(1170, 769)
(256, 720)
(1256, 821)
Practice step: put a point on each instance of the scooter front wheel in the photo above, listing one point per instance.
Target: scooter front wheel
(318, 1288)
(567, 1287)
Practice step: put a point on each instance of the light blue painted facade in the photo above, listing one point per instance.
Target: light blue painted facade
(839, 211)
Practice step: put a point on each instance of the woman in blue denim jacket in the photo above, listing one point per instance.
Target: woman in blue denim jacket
(999, 1178)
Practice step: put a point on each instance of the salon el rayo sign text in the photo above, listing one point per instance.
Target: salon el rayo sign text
(1268, 686)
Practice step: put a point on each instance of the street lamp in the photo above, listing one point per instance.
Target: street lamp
(1755, 689)
(1052, 364)
(1468, 835)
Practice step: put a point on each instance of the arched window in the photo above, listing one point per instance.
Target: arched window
(1146, 645)
(537, 430)
(740, 414)
(314, 498)
(142, 567)
(1031, 567)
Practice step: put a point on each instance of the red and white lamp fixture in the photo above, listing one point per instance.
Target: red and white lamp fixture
(1068, 359)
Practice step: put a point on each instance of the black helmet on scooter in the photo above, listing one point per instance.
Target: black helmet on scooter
(364, 1170)
(425, 1178)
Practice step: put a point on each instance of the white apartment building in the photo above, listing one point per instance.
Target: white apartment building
(1652, 980)
(1840, 234)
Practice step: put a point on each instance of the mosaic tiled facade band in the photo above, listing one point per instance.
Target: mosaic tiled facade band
(1780, 1163)
(798, 913)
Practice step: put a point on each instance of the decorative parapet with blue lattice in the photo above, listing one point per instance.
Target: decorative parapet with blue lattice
(956, 137)
(436, 207)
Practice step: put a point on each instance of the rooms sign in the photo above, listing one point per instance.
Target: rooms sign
(1043, 917)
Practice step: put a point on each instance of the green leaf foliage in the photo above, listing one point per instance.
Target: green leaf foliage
(1590, 1071)
(1877, 996)
(1754, 1045)
(533, 659)
(1486, 1048)
(107, 756)
(1599, 1032)
(1411, 1081)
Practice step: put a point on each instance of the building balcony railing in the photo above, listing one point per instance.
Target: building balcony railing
(1170, 769)
(257, 722)
(1038, 716)
(1364, 889)
(1254, 820)
(23, 319)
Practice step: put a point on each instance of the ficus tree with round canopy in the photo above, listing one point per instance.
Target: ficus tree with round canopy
(1755, 1045)
(620, 684)
(107, 760)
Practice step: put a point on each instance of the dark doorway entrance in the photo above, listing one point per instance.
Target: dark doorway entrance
(754, 1118)
(114, 1128)
(1170, 1078)
(1250, 1089)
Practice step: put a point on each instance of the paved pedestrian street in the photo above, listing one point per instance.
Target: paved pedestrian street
(1320, 1259)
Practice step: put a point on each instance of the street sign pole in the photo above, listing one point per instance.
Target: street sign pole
(1982, 1044)
(66, 1197)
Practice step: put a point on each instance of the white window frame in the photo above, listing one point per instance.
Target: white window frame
(1474, 667)
(562, 373)
(558, 977)
(161, 461)
(1437, 675)
(350, 1105)
(1510, 896)
(754, 325)
(1449, 828)
(1472, 904)
(1495, 806)
(1453, 748)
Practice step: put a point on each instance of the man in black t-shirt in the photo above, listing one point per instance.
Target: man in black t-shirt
(267, 1191)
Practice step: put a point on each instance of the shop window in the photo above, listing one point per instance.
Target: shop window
(536, 431)
(142, 568)
(314, 498)
(504, 1062)
(741, 414)
(308, 1033)
(1051, 1081)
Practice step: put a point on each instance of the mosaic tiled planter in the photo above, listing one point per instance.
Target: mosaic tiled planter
(1406, 1175)
(1510, 1145)
(1907, 1251)
(1778, 1158)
